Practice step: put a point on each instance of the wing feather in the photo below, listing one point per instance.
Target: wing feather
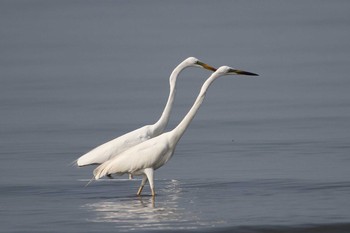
(144, 155)
(114, 147)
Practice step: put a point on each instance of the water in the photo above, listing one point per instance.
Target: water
(267, 154)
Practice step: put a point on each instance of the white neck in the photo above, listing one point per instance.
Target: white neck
(181, 128)
(161, 124)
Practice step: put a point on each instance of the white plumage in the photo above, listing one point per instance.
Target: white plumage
(116, 146)
(148, 156)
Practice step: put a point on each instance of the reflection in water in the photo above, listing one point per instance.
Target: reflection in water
(132, 213)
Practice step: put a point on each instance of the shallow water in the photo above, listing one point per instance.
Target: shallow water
(266, 154)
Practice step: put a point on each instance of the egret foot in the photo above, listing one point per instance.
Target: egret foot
(139, 191)
(143, 182)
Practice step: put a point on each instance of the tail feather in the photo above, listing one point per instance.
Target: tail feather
(100, 171)
(73, 164)
(92, 179)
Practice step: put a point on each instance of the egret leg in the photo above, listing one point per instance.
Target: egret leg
(143, 182)
(149, 173)
(131, 177)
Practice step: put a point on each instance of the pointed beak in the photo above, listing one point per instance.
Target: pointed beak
(241, 72)
(206, 66)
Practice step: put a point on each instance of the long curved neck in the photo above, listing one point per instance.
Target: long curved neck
(182, 126)
(161, 124)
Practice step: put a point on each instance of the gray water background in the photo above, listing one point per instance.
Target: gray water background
(262, 154)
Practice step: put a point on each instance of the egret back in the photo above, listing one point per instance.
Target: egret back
(116, 146)
(152, 153)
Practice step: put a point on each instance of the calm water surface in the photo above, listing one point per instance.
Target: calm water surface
(266, 154)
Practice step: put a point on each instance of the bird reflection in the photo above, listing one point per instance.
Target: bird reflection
(131, 213)
(149, 204)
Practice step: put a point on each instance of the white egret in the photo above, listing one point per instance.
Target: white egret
(150, 155)
(114, 147)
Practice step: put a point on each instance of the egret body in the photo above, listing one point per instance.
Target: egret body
(144, 158)
(116, 146)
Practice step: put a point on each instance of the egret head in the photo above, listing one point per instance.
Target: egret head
(192, 61)
(226, 70)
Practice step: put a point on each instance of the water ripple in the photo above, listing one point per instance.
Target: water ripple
(165, 212)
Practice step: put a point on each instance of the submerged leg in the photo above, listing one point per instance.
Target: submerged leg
(149, 173)
(143, 182)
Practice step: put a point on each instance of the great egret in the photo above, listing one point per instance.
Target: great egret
(150, 155)
(114, 147)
